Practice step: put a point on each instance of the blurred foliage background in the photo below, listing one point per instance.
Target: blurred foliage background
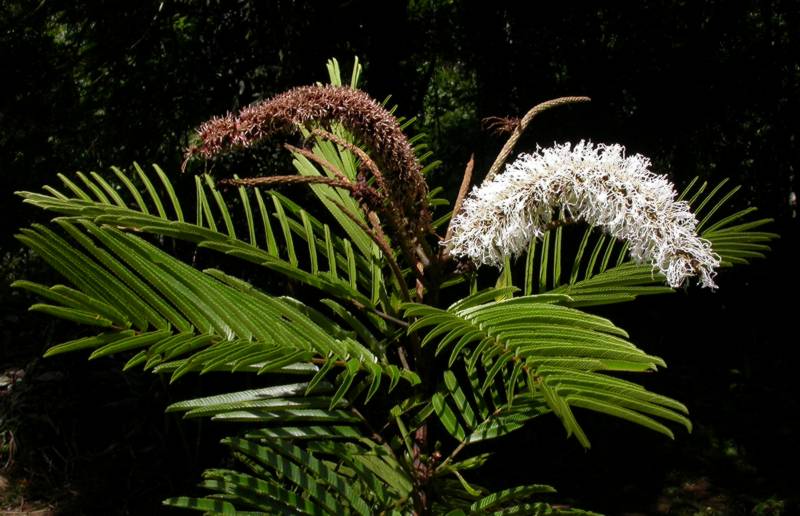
(705, 88)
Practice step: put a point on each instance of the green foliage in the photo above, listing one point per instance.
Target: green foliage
(367, 391)
(552, 353)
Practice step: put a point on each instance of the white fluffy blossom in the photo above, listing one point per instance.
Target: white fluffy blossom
(597, 184)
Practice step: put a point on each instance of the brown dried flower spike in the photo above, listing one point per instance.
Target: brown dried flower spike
(354, 109)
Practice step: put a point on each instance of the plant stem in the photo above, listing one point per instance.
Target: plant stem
(523, 124)
(462, 193)
(397, 218)
(290, 180)
(384, 247)
(327, 165)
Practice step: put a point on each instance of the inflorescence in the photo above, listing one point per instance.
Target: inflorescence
(597, 184)
(358, 112)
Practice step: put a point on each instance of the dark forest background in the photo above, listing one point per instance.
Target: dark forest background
(705, 88)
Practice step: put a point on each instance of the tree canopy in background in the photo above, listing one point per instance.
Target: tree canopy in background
(706, 88)
(703, 86)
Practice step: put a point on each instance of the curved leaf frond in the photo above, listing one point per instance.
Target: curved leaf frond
(348, 475)
(179, 319)
(601, 271)
(302, 456)
(560, 356)
(346, 276)
(456, 497)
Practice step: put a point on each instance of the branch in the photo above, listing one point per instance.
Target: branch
(318, 160)
(382, 244)
(397, 217)
(462, 193)
(512, 140)
(355, 149)
(292, 180)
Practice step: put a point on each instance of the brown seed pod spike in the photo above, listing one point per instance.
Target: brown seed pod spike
(354, 109)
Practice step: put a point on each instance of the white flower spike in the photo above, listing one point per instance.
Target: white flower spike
(597, 184)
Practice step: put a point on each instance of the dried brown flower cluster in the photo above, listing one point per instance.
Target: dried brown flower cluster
(354, 109)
